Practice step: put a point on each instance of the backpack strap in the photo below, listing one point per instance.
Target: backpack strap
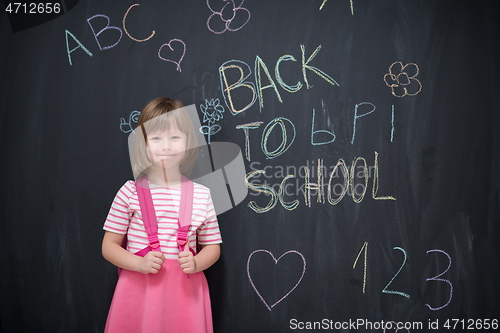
(148, 216)
(151, 222)
(185, 213)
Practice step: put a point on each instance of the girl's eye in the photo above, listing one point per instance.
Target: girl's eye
(155, 138)
(176, 137)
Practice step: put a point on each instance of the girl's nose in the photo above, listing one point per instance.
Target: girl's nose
(166, 145)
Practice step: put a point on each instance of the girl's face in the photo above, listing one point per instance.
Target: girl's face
(167, 148)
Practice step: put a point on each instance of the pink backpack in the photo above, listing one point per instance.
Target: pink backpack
(149, 215)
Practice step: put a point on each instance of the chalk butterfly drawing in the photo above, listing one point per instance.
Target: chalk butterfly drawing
(402, 79)
(226, 15)
(270, 307)
(127, 127)
(212, 111)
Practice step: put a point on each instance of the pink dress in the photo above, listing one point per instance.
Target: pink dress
(169, 301)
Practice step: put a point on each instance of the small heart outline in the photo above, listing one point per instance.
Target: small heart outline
(269, 307)
(178, 63)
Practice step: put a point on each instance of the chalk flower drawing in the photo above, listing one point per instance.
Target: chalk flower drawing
(125, 126)
(226, 16)
(401, 79)
(212, 111)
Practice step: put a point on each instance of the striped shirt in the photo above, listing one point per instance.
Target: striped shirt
(125, 217)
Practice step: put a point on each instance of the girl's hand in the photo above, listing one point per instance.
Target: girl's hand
(151, 262)
(187, 262)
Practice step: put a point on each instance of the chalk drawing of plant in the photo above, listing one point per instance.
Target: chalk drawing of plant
(212, 111)
(401, 79)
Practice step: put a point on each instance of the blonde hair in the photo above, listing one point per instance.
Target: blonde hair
(159, 115)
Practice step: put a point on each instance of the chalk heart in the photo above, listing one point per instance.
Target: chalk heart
(275, 262)
(177, 46)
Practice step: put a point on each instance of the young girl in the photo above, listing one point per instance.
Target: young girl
(166, 290)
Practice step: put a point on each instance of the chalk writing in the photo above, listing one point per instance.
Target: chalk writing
(126, 126)
(436, 278)
(245, 128)
(360, 111)
(80, 45)
(107, 27)
(262, 189)
(126, 31)
(227, 89)
(392, 123)
(345, 173)
(256, 89)
(305, 65)
(269, 307)
(314, 143)
(169, 44)
(385, 290)
(287, 205)
(228, 7)
(401, 79)
(357, 116)
(284, 145)
(353, 186)
(259, 63)
(277, 73)
(400, 268)
(317, 188)
(212, 112)
(376, 183)
(111, 32)
(364, 247)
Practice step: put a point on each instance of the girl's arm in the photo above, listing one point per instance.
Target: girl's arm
(113, 252)
(207, 256)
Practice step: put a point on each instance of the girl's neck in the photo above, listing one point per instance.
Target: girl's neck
(169, 178)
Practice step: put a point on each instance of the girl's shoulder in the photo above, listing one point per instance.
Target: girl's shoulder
(128, 189)
(201, 189)
(130, 184)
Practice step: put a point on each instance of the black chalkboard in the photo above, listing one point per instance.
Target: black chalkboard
(375, 122)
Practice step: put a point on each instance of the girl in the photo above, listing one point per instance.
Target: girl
(166, 290)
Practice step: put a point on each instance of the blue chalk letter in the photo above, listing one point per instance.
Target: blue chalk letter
(320, 131)
(356, 117)
(73, 49)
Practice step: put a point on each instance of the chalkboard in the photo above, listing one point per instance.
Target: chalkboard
(369, 131)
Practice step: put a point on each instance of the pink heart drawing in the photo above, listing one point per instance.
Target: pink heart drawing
(169, 44)
(275, 262)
